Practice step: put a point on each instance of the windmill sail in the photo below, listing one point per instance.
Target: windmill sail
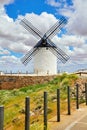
(45, 40)
(56, 28)
(29, 27)
(59, 52)
(29, 56)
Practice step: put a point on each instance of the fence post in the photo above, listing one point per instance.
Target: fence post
(27, 113)
(77, 96)
(58, 105)
(1, 117)
(86, 92)
(45, 110)
(68, 97)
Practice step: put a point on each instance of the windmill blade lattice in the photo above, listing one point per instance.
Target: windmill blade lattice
(29, 27)
(57, 55)
(45, 40)
(29, 56)
(56, 28)
(62, 54)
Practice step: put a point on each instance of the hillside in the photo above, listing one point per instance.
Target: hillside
(14, 100)
(14, 82)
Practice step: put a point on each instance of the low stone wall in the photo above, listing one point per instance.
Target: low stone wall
(13, 82)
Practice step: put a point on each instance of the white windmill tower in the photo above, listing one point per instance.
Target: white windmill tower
(45, 52)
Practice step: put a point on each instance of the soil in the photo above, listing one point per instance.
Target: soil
(14, 82)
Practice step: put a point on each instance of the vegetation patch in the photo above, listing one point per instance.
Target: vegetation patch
(14, 101)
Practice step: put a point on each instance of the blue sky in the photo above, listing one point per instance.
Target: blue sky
(15, 41)
(25, 6)
(21, 7)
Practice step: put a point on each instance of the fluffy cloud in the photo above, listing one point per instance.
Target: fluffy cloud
(76, 14)
(5, 2)
(4, 51)
(10, 59)
(76, 39)
(53, 3)
(77, 17)
(12, 35)
(44, 17)
(78, 21)
(14, 38)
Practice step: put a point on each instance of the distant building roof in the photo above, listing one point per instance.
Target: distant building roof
(82, 70)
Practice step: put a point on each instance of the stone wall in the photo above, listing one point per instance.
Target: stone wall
(13, 82)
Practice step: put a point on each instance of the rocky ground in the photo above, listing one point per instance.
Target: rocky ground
(12, 82)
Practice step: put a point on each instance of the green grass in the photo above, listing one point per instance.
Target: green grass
(14, 100)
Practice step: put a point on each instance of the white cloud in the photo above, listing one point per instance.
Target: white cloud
(13, 37)
(76, 36)
(6, 2)
(9, 59)
(4, 51)
(13, 64)
(56, 3)
(78, 53)
(53, 3)
(44, 17)
(77, 17)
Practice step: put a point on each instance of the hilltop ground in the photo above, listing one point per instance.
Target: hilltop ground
(14, 99)
(15, 82)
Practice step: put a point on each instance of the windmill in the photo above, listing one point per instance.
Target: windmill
(45, 52)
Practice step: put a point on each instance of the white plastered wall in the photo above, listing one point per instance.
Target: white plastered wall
(45, 62)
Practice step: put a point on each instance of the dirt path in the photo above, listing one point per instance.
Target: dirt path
(76, 121)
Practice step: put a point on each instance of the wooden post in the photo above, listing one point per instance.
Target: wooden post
(1, 117)
(68, 99)
(45, 110)
(58, 105)
(27, 113)
(86, 92)
(77, 96)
